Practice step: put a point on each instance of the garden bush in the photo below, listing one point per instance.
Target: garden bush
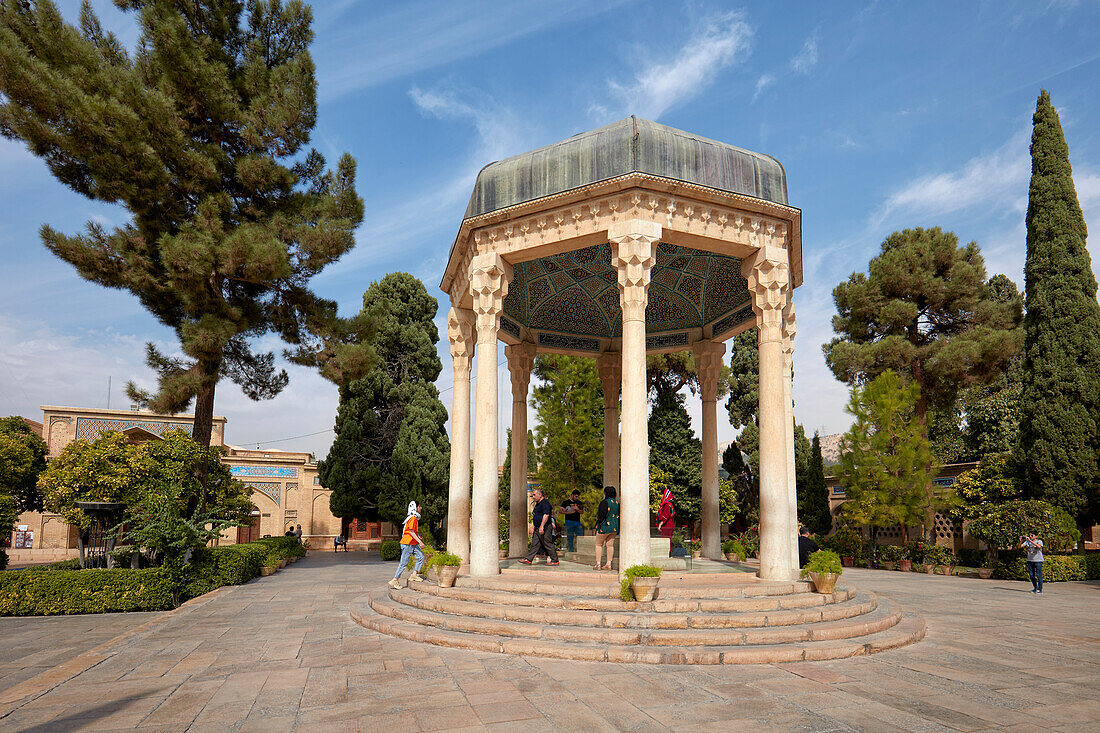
(3, 559)
(390, 550)
(1055, 568)
(847, 542)
(73, 564)
(972, 558)
(84, 591)
(213, 567)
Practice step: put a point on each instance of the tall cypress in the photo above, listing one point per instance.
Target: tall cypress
(813, 497)
(1059, 446)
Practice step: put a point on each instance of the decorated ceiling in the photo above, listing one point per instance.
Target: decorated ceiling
(577, 292)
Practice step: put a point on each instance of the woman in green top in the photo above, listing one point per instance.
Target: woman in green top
(607, 526)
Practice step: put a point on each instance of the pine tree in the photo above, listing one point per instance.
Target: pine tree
(744, 379)
(674, 449)
(1059, 446)
(198, 133)
(391, 445)
(813, 497)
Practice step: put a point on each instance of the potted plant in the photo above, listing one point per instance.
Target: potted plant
(503, 549)
(696, 549)
(891, 555)
(824, 568)
(734, 550)
(848, 544)
(446, 566)
(639, 583)
(985, 572)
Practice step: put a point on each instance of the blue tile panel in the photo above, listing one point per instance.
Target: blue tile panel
(264, 471)
(89, 428)
(273, 489)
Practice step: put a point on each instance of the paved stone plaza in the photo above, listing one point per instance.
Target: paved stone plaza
(281, 653)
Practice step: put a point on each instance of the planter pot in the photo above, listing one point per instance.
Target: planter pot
(930, 569)
(645, 589)
(696, 554)
(267, 570)
(887, 565)
(824, 582)
(733, 557)
(848, 562)
(945, 569)
(503, 554)
(447, 575)
(905, 565)
(282, 563)
(985, 573)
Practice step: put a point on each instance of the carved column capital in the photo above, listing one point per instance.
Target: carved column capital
(610, 367)
(633, 254)
(489, 278)
(521, 360)
(708, 364)
(769, 278)
(460, 332)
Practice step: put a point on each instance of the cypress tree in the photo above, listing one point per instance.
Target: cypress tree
(199, 134)
(813, 497)
(1058, 453)
(674, 449)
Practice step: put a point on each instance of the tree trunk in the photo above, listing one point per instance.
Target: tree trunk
(920, 411)
(201, 430)
(80, 549)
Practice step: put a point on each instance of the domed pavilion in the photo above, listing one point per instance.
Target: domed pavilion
(628, 240)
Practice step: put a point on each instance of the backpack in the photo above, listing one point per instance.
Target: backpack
(610, 523)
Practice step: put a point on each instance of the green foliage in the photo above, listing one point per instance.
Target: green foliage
(728, 505)
(73, 564)
(939, 555)
(886, 460)
(1059, 445)
(823, 561)
(990, 482)
(569, 404)
(735, 547)
(891, 553)
(84, 591)
(101, 470)
(448, 559)
(750, 540)
(3, 559)
(213, 567)
(993, 414)
(198, 134)
(390, 550)
(668, 374)
(1056, 568)
(846, 542)
(391, 446)
(925, 311)
(626, 593)
(22, 460)
(744, 379)
(674, 449)
(1001, 525)
(167, 535)
(813, 496)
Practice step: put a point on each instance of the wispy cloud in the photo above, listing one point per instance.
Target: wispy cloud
(376, 43)
(998, 178)
(717, 42)
(805, 60)
(762, 84)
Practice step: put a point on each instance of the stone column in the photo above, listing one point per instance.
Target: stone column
(610, 366)
(788, 406)
(708, 363)
(521, 359)
(633, 252)
(489, 277)
(768, 276)
(460, 332)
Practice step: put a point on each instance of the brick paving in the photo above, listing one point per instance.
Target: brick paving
(281, 653)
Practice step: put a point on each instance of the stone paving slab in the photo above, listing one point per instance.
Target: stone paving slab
(281, 653)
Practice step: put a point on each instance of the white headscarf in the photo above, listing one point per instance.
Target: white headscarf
(412, 511)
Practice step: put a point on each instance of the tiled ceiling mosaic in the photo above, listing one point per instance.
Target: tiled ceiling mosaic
(577, 292)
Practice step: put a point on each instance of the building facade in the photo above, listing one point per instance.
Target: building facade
(286, 488)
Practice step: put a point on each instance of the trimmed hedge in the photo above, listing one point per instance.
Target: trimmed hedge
(390, 550)
(213, 567)
(73, 564)
(1055, 568)
(83, 591)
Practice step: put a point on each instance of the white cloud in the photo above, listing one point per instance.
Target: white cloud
(997, 179)
(762, 84)
(805, 60)
(718, 42)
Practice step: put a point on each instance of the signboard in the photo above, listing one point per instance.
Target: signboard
(24, 538)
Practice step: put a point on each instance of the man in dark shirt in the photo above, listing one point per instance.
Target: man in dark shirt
(572, 508)
(806, 546)
(542, 530)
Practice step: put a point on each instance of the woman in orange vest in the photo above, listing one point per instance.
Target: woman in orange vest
(410, 545)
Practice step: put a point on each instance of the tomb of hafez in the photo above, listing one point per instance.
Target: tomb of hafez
(628, 240)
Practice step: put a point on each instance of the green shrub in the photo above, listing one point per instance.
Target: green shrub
(429, 558)
(390, 550)
(213, 567)
(847, 542)
(84, 591)
(1056, 568)
(3, 559)
(891, 553)
(737, 547)
(939, 555)
(972, 558)
(636, 571)
(823, 561)
(73, 564)
(1002, 525)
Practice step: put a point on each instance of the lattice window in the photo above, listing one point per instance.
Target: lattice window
(945, 528)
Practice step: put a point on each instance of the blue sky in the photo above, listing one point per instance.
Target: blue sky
(886, 115)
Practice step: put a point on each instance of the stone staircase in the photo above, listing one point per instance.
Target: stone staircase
(695, 619)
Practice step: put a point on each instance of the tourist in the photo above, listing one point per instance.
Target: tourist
(806, 546)
(572, 508)
(1034, 547)
(410, 545)
(666, 522)
(289, 531)
(337, 541)
(298, 532)
(542, 529)
(607, 526)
